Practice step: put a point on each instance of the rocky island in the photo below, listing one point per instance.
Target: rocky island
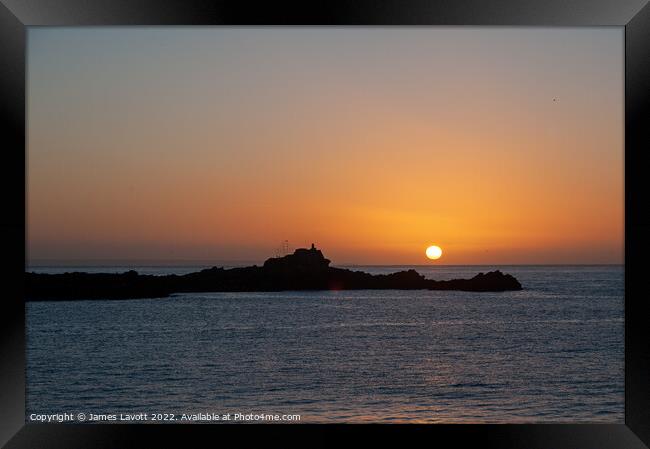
(305, 269)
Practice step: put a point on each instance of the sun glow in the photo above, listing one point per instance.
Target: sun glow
(434, 252)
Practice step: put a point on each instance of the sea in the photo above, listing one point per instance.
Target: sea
(551, 353)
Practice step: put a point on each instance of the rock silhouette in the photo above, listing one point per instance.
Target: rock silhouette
(305, 269)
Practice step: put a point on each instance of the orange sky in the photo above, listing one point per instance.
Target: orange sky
(501, 145)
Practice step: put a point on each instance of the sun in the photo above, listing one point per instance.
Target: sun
(434, 252)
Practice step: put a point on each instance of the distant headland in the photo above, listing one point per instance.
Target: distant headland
(305, 269)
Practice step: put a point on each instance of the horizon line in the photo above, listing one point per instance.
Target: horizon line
(198, 262)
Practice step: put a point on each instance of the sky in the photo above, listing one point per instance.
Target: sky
(500, 145)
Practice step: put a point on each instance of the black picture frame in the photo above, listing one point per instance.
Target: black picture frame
(633, 15)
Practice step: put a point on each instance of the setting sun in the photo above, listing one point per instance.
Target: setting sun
(434, 252)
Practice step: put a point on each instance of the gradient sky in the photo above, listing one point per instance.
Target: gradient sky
(501, 145)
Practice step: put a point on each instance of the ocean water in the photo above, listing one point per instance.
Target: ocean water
(550, 353)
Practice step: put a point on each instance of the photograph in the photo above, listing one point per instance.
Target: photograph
(288, 225)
